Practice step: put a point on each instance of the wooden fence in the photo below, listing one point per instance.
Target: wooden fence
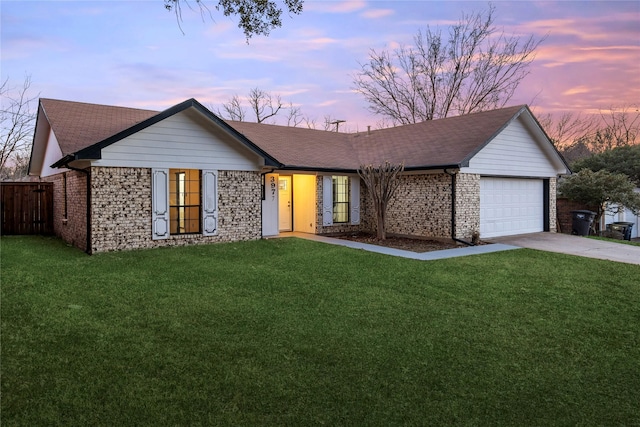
(26, 208)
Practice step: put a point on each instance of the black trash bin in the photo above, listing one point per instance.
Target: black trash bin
(582, 222)
(625, 229)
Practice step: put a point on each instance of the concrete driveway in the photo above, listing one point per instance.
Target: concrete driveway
(574, 245)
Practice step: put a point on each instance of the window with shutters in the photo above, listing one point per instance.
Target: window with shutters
(184, 201)
(340, 199)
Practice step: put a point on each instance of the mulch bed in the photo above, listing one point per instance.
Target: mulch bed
(404, 243)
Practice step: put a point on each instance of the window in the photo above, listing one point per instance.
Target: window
(340, 199)
(184, 201)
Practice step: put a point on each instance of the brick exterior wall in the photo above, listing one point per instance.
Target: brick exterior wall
(421, 206)
(553, 217)
(70, 207)
(366, 215)
(564, 207)
(121, 210)
(467, 205)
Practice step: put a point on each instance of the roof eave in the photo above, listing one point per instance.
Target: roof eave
(350, 170)
(564, 161)
(435, 167)
(316, 169)
(34, 141)
(63, 162)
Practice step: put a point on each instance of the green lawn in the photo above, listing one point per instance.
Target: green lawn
(607, 239)
(289, 332)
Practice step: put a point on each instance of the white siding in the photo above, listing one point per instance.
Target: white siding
(184, 140)
(635, 219)
(51, 155)
(514, 152)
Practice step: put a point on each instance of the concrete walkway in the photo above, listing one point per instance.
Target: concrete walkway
(423, 256)
(574, 245)
(551, 242)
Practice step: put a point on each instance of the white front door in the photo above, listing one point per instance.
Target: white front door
(511, 206)
(285, 216)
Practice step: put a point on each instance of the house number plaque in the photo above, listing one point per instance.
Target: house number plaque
(273, 187)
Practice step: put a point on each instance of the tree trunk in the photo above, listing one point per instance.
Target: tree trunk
(381, 181)
(381, 230)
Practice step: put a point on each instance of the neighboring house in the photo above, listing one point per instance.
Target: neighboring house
(128, 178)
(623, 215)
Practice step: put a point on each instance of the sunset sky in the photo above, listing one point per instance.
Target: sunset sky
(133, 53)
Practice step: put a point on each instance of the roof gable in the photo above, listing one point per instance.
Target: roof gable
(519, 149)
(83, 130)
(185, 140)
(448, 142)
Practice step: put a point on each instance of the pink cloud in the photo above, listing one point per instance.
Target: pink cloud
(576, 90)
(345, 6)
(377, 13)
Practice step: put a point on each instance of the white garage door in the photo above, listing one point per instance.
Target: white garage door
(510, 206)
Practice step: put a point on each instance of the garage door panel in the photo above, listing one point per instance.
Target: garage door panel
(510, 206)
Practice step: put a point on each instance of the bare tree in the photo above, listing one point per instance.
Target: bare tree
(263, 104)
(294, 116)
(264, 107)
(575, 151)
(309, 122)
(256, 17)
(620, 126)
(233, 110)
(568, 128)
(477, 68)
(578, 136)
(381, 181)
(332, 124)
(17, 120)
(17, 168)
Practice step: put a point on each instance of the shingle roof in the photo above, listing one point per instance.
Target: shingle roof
(446, 142)
(443, 142)
(78, 125)
(301, 147)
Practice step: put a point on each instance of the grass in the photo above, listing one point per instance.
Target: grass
(292, 332)
(607, 239)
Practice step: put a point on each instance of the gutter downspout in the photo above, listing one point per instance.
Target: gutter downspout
(453, 210)
(88, 174)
